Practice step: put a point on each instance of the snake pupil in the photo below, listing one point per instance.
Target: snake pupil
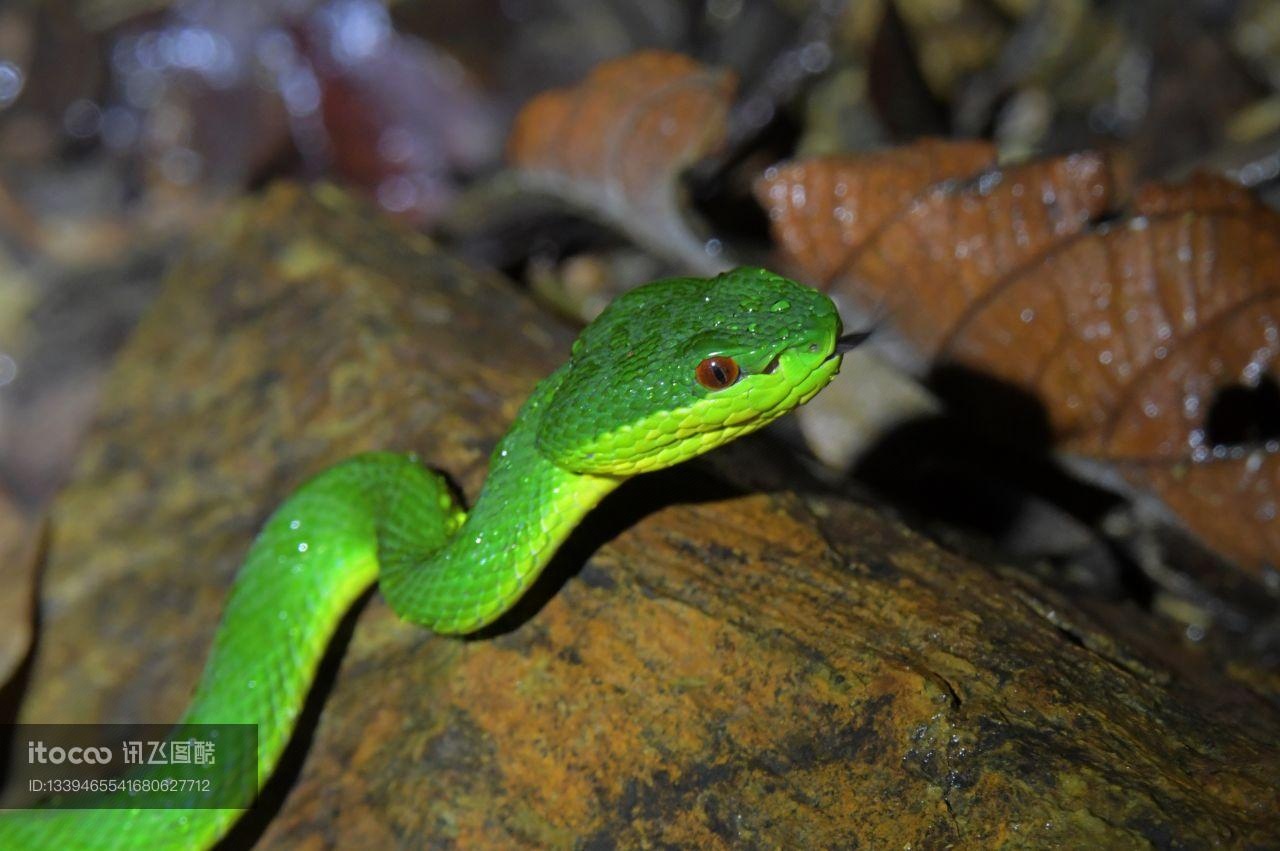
(717, 372)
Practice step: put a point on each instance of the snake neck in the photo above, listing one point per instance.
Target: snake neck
(528, 506)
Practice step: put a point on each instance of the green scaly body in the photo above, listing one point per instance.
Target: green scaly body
(627, 402)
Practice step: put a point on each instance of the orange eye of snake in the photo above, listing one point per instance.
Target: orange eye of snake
(717, 372)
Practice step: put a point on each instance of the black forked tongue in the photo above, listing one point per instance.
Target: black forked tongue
(852, 340)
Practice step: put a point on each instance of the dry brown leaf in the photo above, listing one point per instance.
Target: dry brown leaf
(1128, 335)
(1201, 193)
(1215, 493)
(618, 141)
(951, 246)
(928, 255)
(822, 208)
(1126, 332)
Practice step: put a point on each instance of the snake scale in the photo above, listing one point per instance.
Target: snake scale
(668, 371)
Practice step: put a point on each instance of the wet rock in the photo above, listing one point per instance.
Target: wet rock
(726, 655)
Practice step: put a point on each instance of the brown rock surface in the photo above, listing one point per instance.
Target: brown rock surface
(710, 665)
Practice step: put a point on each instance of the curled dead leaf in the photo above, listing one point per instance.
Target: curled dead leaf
(822, 208)
(618, 142)
(1129, 333)
(1201, 193)
(952, 246)
(1233, 501)
(1130, 336)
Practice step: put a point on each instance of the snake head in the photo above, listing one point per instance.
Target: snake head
(677, 367)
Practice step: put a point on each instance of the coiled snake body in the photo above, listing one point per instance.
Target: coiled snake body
(666, 372)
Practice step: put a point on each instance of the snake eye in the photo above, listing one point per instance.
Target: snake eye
(717, 372)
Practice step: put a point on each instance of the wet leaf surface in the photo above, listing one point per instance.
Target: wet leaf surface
(618, 142)
(822, 208)
(1128, 333)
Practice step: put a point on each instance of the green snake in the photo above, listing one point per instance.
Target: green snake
(668, 371)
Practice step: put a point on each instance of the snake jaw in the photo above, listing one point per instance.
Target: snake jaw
(674, 436)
